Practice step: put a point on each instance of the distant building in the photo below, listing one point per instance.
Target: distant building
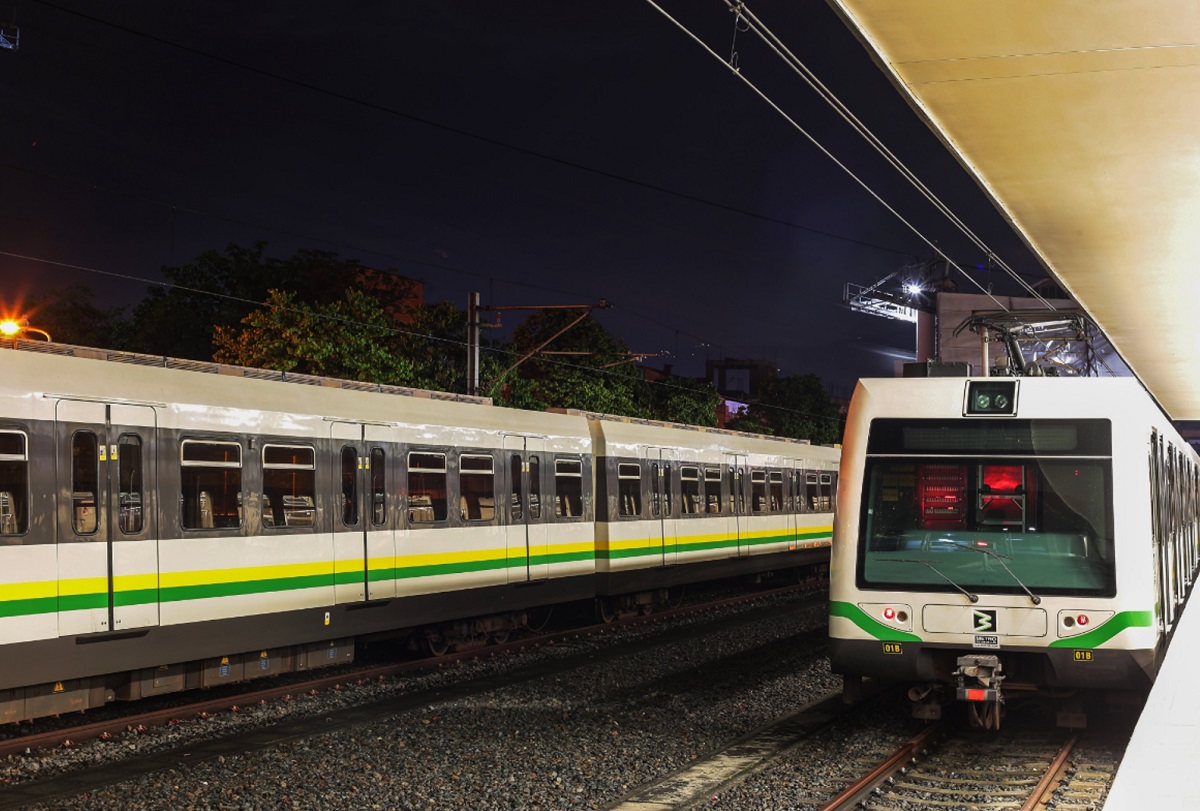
(741, 380)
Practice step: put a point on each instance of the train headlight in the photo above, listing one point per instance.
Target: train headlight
(992, 397)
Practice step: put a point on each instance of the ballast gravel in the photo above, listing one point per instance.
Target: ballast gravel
(577, 739)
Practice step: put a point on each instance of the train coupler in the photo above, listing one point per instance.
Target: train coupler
(979, 680)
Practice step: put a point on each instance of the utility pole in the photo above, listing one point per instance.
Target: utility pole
(474, 327)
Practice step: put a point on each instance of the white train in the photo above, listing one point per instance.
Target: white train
(169, 524)
(1001, 537)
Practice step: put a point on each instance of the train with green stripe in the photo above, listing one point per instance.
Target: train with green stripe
(168, 525)
(1009, 537)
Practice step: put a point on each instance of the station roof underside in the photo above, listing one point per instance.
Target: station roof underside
(1081, 121)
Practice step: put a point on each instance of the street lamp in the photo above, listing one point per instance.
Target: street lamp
(9, 328)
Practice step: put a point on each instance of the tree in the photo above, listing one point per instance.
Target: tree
(598, 378)
(221, 288)
(797, 407)
(70, 316)
(350, 339)
(684, 400)
(434, 342)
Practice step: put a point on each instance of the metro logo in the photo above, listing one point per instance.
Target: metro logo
(985, 620)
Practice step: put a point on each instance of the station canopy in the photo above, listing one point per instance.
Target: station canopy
(1081, 121)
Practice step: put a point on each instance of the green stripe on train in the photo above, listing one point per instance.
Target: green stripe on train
(869, 624)
(1096, 638)
(705, 546)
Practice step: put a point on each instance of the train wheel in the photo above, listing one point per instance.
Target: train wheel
(605, 610)
(536, 619)
(500, 637)
(436, 644)
(675, 597)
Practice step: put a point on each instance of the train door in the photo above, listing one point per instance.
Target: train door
(739, 482)
(664, 485)
(526, 531)
(364, 551)
(108, 533)
(794, 476)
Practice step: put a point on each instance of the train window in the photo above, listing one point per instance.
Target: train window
(476, 487)
(130, 479)
(689, 486)
(812, 493)
(655, 490)
(629, 489)
(349, 494)
(568, 488)
(85, 471)
(515, 469)
(289, 486)
(712, 489)
(14, 483)
(211, 484)
(426, 487)
(776, 491)
(535, 488)
(825, 493)
(758, 491)
(378, 487)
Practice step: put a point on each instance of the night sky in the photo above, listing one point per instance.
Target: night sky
(539, 152)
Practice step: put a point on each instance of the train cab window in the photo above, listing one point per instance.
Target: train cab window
(130, 517)
(476, 487)
(349, 494)
(85, 477)
(1009, 507)
(535, 488)
(629, 489)
(775, 490)
(378, 487)
(426, 487)
(689, 486)
(211, 483)
(568, 488)
(289, 486)
(712, 490)
(758, 491)
(14, 483)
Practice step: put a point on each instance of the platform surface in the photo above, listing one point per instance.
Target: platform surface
(1161, 768)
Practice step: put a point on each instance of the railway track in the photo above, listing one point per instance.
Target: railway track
(811, 760)
(233, 700)
(945, 768)
(196, 745)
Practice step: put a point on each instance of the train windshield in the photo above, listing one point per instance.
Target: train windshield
(998, 506)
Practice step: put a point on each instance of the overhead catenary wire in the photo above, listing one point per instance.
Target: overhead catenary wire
(820, 147)
(829, 97)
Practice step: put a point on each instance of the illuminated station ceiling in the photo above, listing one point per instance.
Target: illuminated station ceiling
(1081, 121)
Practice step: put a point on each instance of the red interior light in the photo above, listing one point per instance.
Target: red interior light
(1003, 478)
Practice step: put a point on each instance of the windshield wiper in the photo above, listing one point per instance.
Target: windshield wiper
(972, 597)
(1036, 599)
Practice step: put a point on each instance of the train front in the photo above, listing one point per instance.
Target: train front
(975, 552)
